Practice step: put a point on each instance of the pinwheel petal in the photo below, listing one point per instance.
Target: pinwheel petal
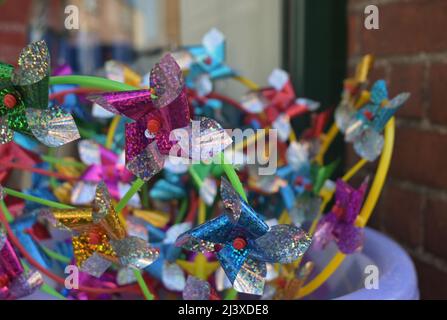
(232, 260)
(379, 92)
(385, 113)
(53, 127)
(173, 277)
(26, 283)
(324, 232)
(32, 75)
(134, 252)
(244, 217)
(6, 134)
(251, 277)
(204, 237)
(95, 265)
(89, 152)
(196, 289)
(83, 193)
(132, 104)
(282, 243)
(369, 144)
(208, 191)
(136, 140)
(254, 102)
(350, 238)
(148, 163)
(167, 80)
(203, 140)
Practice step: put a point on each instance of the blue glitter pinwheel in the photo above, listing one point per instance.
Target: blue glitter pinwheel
(165, 267)
(207, 63)
(244, 243)
(305, 180)
(365, 128)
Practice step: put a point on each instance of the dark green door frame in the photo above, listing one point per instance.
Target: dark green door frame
(314, 52)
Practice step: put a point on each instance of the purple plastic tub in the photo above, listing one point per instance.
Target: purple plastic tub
(397, 275)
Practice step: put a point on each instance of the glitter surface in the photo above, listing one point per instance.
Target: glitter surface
(32, 75)
(245, 266)
(196, 289)
(167, 80)
(148, 163)
(338, 224)
(134, 252)
(53, 126)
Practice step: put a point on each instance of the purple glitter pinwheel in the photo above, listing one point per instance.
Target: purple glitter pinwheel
(157, 112)
(15, 282)
(103, 165)
(24, 103)
(244, 243)
(338, 224)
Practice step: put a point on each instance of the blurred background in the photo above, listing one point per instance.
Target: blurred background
(318, 42)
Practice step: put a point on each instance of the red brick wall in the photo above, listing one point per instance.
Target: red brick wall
(411, 54)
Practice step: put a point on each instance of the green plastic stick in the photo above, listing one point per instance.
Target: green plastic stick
(129, 194)
(147, 293)
(28, 197)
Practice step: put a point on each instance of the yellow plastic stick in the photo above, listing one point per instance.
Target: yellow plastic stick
(365, 213)
(330, 136)
(202, 212)
(247, 82)
(111, 132)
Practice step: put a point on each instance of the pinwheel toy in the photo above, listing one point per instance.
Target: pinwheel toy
(339, 224)
(24, 100)
(15, 282)
(102, 238)
(205, 63)
(158, 111)
(103, 165)
(243, 243)
(354, 94)
(301, 194)
(365, 128)
(275, 106)
(165, 268)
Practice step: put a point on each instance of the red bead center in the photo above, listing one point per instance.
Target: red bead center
(9, 101)
(208, 60)
(338, 210)
(239, 243)
(153, 125)
(368, 115)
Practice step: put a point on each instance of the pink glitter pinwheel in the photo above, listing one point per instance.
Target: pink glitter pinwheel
(15, 282)
(103, 165)
(338, 224)
(157, 112)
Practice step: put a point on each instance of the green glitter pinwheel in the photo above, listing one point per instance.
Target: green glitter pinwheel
(24, 104)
